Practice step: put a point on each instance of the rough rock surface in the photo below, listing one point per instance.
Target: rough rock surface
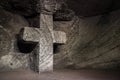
(5, 39)
(93, 42)
(81, 7)
(10, 56)
(93, 7)
(25, 7)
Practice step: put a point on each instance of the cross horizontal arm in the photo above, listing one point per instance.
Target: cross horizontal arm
(59, 37)
(30, 34)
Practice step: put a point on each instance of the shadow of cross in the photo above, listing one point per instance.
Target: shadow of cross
(45, 36)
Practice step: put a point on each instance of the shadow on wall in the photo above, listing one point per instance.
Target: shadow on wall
(25, 47)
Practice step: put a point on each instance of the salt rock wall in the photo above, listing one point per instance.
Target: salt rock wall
(93, 7)
(10, 56)
(93, 42)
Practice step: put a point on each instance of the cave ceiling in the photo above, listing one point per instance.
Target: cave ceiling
(80, 7)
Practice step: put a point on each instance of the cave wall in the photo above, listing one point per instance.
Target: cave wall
(93, 7)
(10, 56)
(93, 42)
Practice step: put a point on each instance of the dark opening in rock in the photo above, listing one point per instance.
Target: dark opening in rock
(11, 64)
(25, 47)
(56, 48)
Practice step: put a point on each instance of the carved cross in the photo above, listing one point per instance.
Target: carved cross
(45, 36)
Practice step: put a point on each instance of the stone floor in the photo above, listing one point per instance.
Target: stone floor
(60, 75)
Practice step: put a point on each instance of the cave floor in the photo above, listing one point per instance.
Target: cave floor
(61, 75)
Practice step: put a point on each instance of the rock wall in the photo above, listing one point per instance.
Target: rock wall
(10, 56)
(93, 7)
(93, 42)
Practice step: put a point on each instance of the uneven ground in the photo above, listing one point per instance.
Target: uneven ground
(60, 75)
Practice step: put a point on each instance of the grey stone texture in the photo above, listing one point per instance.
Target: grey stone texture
(92, 42)
(81, 7)
(45, 36)
(93, 7)
(4, 41)
(29, 8)
(10, 57)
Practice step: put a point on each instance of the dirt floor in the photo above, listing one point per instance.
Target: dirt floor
(60, 75)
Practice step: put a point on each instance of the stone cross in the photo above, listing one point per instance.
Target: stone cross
(45, 36)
